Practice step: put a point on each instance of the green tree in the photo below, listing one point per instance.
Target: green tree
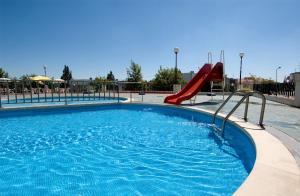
(134, 74)
(27, 81)
(101, 82)
(3, 73)
(260, 80)
(67, 74)
(100, 79)
(110, 76)
(164, 79)
(25, 77)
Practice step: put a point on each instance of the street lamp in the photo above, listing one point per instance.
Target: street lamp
(241, 66)
(45, 70)
(279, 67)
(176, 50)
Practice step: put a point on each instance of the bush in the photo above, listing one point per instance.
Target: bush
(165, 78)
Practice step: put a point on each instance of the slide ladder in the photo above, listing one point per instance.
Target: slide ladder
(219, 85)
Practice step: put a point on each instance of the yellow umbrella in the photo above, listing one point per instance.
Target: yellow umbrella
(39, 78)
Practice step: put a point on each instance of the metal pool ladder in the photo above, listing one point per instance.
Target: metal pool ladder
(245, 96)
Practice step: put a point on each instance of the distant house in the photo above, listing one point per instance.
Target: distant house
(188, 76)
(291, 77)
(248, 82)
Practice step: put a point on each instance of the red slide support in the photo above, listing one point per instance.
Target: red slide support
(206, 73)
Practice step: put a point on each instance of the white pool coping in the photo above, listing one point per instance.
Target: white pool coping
(275, 171)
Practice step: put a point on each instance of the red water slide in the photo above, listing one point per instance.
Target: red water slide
(206, 73)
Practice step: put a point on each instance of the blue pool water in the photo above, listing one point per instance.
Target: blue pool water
(119, 149)
(48, 101)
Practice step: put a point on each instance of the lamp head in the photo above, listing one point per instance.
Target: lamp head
(176, 50)
(242, 54)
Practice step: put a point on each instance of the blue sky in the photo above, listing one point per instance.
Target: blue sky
(95, 36)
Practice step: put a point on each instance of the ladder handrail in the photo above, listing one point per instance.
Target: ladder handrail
(224, 103)
(246, 96)
(234, 109)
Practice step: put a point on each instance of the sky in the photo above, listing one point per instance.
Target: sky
(95, 36)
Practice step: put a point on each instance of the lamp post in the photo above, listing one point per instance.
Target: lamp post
(241, 66)
(176, 50)
(45, 69)
(279, 67)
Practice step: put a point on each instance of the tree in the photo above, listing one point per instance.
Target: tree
(27, 82)
(67, 74)
(100, 80)
(25, 77)
(101, 83)
(164, 79)
(134, 74)
(260, 80)
(3, 74)
(110, 76)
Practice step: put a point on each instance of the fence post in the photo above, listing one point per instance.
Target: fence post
(66, 103)
(38, 88)
(72, 87)
(99, 89)
(297, 88)
(23, 91)
(52, 89)
(118, 92)
(30, 91)
(104, 89)
(7, 91)
(130, 97)
(45, 93)
(77, 90)
(15, 91)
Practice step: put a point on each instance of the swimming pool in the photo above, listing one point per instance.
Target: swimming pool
(48, 101)
(125, 149)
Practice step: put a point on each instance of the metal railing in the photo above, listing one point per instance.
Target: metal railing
(27, 91)
(245, 96)
(282, 89)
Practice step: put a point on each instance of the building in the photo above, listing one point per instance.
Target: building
(188, 76)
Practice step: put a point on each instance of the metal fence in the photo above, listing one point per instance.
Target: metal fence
(281, 89)
(28, 91)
